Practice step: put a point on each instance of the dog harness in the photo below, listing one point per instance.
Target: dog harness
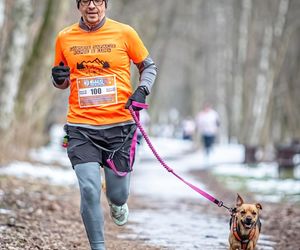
(244, 239)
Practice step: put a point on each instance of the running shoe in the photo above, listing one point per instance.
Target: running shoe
(119, 214)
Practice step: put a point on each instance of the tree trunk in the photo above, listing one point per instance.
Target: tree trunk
(13, 54)
(26, 77)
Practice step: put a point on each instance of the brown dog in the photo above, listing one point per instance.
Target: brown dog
(244, 225)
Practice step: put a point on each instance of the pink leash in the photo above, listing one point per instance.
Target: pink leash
(162, 162)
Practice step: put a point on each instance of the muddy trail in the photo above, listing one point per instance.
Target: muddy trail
(36, 215)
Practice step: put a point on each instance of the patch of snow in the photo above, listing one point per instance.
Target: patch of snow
(54, 175)
(262, 170)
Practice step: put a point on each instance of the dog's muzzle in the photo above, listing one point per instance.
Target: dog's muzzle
(248, 223)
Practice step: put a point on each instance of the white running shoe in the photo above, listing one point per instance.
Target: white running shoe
(119, 214)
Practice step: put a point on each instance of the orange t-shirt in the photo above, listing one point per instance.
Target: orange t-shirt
(99, 63)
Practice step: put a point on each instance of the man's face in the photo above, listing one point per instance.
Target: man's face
(92, 11)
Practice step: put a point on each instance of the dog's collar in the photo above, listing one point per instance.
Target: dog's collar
(244, 239)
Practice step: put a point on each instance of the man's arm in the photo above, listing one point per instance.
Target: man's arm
(148, 72)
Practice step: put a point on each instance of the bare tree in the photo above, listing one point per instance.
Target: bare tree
(13, 53)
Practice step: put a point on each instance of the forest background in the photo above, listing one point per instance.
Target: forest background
(243, 56)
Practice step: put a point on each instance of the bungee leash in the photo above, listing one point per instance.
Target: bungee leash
(219, 203)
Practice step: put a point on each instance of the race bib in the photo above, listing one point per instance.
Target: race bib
(97, 91)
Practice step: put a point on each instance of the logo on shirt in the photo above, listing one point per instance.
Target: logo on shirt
(95, 66)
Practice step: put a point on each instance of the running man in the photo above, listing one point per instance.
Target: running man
(93, 58)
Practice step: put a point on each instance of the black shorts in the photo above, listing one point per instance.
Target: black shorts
(97, 145)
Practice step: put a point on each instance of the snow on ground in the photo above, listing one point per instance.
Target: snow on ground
(53, 153)
(263, 180)
(52, 174)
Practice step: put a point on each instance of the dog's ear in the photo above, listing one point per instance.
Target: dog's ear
(239, 200)
(258, 206)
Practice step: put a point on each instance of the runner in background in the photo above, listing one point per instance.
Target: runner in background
(208, 123)
(188, 129)
(93, 58)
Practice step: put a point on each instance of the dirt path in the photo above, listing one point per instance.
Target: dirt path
(47, 217)
(40, 216)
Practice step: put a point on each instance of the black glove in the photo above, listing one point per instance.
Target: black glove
(60, 73)
(139, 95)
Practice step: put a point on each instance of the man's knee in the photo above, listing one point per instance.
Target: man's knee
(118, 197)
(90, 193)
(89, 178)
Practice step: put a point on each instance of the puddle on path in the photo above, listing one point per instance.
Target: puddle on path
(180, 227)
